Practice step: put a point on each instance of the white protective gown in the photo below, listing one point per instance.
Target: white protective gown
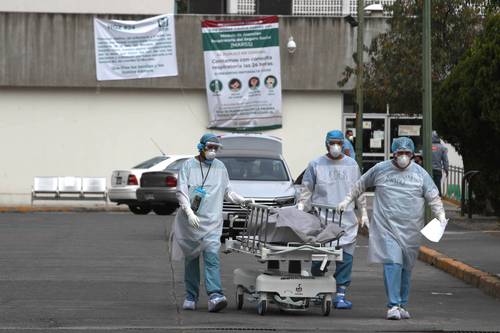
(398, 211)
(330, 181)
(187, 241)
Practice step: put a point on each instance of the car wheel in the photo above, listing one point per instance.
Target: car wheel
(164, 210)
(139, 209)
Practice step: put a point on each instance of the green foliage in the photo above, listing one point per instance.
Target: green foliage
(467, 112)
(393, 72)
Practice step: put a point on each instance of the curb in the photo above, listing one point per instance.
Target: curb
(30, 209)
(451, 201)
(488, 283)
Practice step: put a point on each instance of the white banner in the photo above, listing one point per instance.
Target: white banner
(242, 73)
(135, 49)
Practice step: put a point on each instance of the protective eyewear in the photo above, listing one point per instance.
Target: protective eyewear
(335, 142)
(212, 146)
(404, 152)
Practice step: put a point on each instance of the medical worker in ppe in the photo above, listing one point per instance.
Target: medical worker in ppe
(327, 180)
(202, 184)
(401, 189)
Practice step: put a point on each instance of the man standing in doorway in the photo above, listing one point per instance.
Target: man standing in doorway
(439, 160)
(348, 146)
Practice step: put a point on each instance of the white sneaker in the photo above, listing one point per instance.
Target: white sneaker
(393, 313)
(189, 305)
(403, 313)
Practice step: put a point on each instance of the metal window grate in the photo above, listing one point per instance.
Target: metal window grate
(332, 7)
(246, 7)
(317, 7)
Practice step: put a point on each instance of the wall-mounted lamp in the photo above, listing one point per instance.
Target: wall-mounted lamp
(351, 20)
(291, 45)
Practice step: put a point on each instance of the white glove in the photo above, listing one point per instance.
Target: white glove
(342, 206)
(193, 220)
(300, 206)
(247, 202)
(364, 218)
(442, 219)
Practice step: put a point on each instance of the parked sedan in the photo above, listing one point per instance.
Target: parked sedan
(157, 189)
(256, 170)
(124, 183)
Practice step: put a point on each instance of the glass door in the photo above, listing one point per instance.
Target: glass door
(374, 137)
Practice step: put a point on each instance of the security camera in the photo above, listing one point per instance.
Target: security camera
(291, 45)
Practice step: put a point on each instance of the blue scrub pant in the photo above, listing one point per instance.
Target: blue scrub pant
(397, 284)
(211, 267)
(436, 176)
(343, 270)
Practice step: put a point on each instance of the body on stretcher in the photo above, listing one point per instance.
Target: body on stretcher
(293, 288)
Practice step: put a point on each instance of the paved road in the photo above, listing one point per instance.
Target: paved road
(100, 272)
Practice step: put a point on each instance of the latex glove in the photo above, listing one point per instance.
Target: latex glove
(300, 206)
(247, 202)
(193, 220)
(442, 219)
(364, 218)
(342, 206)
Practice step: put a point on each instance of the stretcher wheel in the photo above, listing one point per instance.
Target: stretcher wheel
(326, 305)
(262, 307)
(239, 297)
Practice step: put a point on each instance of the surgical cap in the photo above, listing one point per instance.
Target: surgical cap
(402, 144)
(334, 135)
(206, 138)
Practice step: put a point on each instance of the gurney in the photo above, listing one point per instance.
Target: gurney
(293, 289)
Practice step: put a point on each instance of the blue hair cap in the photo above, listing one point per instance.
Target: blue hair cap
(208, 137)
(334, 135)
(402, 144)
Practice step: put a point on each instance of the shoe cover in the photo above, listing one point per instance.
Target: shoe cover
(216, 302)
(341, 303)
(189, 305)
(393, 313)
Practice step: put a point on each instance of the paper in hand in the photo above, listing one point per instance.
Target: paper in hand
(433, 230)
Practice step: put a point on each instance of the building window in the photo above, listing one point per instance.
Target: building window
(317, 7)
(246, 7)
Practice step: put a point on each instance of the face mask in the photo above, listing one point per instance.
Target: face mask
(349, 138)
(335, 150)
(403, 161)
(210, 154)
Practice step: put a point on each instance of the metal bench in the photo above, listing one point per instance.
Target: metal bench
(69, 188)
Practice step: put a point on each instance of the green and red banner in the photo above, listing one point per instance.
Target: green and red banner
(242, 73)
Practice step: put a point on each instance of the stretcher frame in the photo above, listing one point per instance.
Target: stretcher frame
(273, 286)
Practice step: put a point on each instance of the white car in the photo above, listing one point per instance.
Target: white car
(124, 183)
(257, 170)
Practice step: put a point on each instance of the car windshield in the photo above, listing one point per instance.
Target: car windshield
(255, 168)
(151, 162)
(176, 165)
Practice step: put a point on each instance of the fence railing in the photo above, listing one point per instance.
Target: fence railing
(451, 186)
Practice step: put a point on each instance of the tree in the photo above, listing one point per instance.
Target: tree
(467, 112)
(393, 72)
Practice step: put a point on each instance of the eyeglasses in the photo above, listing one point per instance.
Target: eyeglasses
(335, 142)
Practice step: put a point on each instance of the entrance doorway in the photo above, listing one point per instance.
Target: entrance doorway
(379, 129)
